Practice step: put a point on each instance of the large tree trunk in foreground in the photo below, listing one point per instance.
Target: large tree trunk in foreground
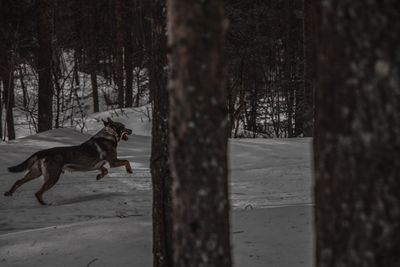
(357, 137)
(160, 172)
(198, 142)
(44, 56)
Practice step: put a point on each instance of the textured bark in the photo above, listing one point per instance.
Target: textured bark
(160, 172)
(357, 136)
(198, 140)
(44, 63)
(93, 54)
(310, 62)
(119, 52)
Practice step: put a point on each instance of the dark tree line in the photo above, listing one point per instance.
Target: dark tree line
(269, 85)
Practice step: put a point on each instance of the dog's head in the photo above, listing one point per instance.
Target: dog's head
(118, 128)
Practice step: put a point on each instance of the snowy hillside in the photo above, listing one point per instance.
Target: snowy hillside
(109, 221)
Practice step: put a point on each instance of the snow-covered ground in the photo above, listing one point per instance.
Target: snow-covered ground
(108, 222)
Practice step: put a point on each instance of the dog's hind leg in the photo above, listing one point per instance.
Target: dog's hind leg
(30, 175)
(51, 177)
(103, 173)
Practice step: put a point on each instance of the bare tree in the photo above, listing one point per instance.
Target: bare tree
(357, 140)
(310, 62)
(93, 53)
(6, 74)
(44, 64)
(198, 140)
(119, 70)
(128, 53)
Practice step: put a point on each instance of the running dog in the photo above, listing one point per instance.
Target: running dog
(88, 156)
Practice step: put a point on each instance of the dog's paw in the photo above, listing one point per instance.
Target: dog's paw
(98, 177)
(7, 194)
(129, 170)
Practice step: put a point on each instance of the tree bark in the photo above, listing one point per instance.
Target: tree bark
(357, 140)
(160, 171)
(44, 63)
(119, 52)
(198, 140)
(310, 62)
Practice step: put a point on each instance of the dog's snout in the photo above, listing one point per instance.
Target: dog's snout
(129, 131)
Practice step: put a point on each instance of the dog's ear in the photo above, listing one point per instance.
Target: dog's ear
(106, 123)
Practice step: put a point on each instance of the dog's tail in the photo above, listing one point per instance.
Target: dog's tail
(24, 165)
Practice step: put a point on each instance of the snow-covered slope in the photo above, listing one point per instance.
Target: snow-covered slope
(110, 220)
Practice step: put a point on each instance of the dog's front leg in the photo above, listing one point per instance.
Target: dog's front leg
(103, 173)
(119, 163)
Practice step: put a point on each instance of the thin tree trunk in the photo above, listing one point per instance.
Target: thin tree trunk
(93, 54)
(44, 55)
(310, 62)
(357, 140)
(138, 88)
(6, 73)
(1, 109)
(119, 76)
(128, 58)
(160, 172)
(198, 141)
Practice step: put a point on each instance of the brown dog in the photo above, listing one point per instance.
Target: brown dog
(88, 156)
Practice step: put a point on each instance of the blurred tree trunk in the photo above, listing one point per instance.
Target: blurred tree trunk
(44, 64)
(128, 58)
(198, 140)
(93, 53)
(357, 140)
(310, 62)
(160, 172)
(119, 70)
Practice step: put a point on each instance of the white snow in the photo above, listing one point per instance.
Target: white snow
(108, 222)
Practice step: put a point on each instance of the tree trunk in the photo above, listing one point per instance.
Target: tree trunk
(357, 140)
(128, 58)
(160, 172)
(93, 54)
(198, 141)
(44, 57)
(119, 52)
(310, 62)
(1, 109)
